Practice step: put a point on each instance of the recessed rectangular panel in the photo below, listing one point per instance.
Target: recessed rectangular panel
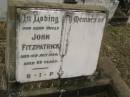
(38, 38)
(84, 43)
(53, 43)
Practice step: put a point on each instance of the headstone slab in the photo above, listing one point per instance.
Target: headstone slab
(47, 41)
(56, 43)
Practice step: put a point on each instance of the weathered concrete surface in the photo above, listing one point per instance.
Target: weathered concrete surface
(12, 20)
(3, 10)
(2, 56)
(118, 84)
(39, 87)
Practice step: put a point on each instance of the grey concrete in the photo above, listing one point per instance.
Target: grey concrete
(3, 9)
(107, 3)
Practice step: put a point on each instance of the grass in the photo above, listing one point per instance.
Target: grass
(116, 45)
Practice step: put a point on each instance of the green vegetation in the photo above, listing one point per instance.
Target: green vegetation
(116, 45)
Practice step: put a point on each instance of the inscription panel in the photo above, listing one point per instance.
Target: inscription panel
(54, 43)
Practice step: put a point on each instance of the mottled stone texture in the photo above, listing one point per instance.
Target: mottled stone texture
(2, 56)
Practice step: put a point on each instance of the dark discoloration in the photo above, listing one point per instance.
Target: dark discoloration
(56, 6)
(3, 79)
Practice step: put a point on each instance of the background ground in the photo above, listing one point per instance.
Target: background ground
(116, 46)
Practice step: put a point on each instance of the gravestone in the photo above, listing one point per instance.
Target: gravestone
(50, 42)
